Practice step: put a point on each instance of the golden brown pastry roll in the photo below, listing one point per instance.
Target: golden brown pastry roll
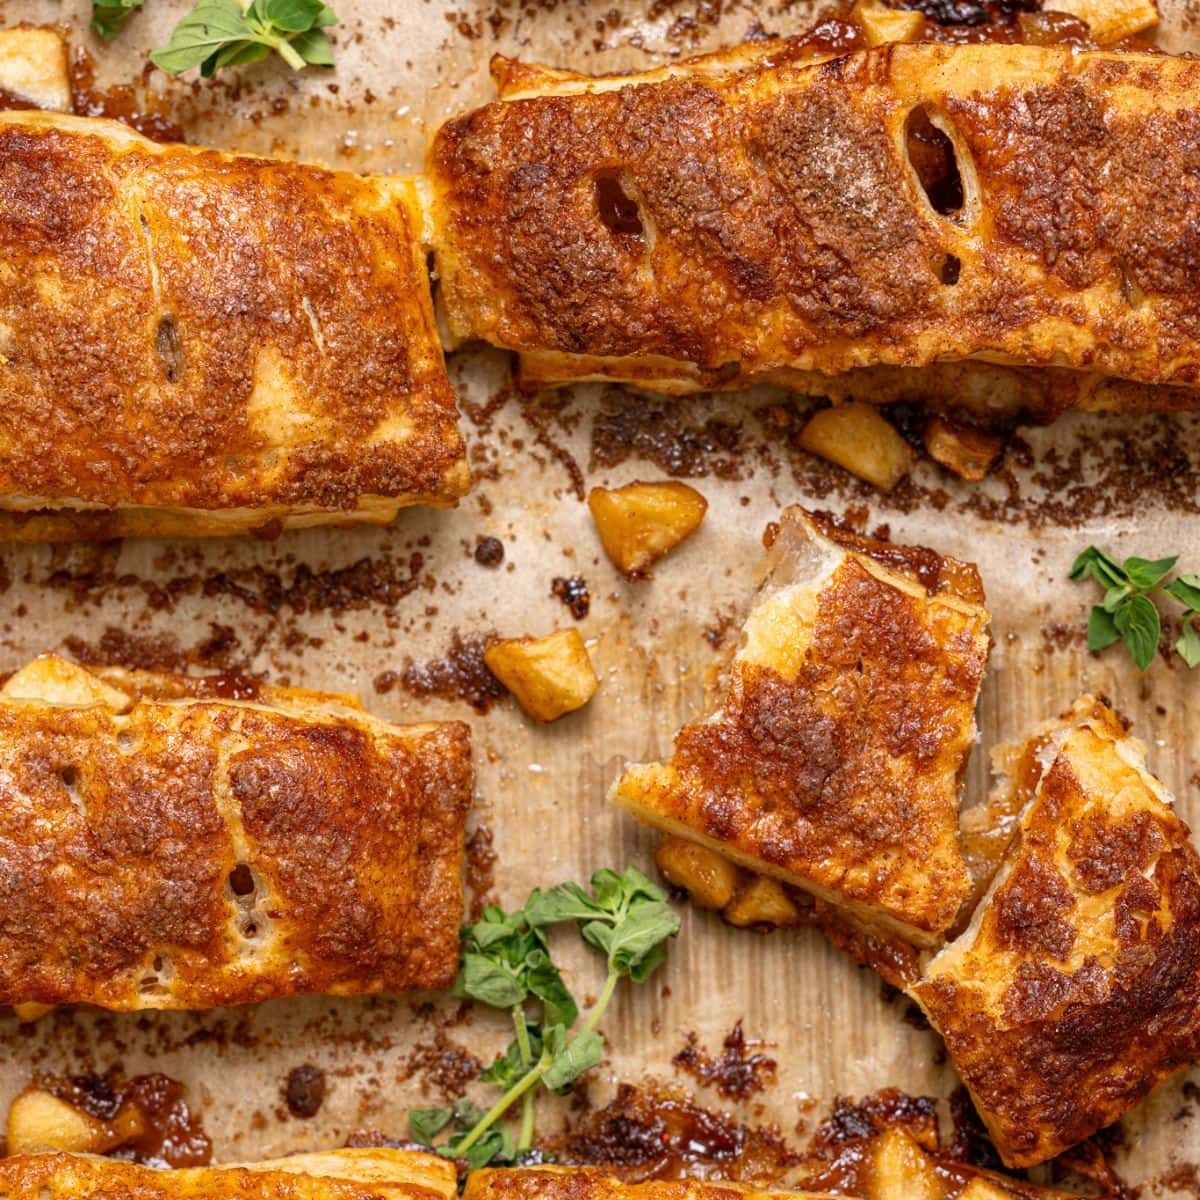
(834, 762)
(903, 206)
(333, 1175)
(194, 342)
(173, 851)
(1076, 987)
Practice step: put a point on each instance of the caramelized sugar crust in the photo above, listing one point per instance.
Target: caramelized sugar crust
(709, 227)
(192, 853)
(834, 761)
(1076, 989)
(187, 329)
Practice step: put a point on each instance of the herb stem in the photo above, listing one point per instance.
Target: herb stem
(502, 1105)
(610, 985)
(527, 1101)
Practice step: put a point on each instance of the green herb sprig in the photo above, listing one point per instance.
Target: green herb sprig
(506, 963)
(226, 33)
(109, 16)
(1128, 611)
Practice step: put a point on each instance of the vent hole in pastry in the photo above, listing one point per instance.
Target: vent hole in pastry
(934, 161)
(949, 270)
(241, 880)
(619, 211)
(1131, 290)
(69, 777)
(168, 348)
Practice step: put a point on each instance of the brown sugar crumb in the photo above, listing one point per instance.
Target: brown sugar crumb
(489, 552)
(735, 1074)
(304, 1090)
(444, 1067)
(460, 674)
(661, 1134)
(573, 592)
(481, 869)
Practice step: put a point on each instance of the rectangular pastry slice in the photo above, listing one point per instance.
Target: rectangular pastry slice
(332, 1175)
(194, 342)
(167, 850)
(598, 1183)
(721, 222)
(33, 69)
(835, 760)
(1076, 987)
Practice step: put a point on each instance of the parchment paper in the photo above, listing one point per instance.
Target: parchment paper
(1135, 488)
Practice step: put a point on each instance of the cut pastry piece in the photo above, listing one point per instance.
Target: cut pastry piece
(166, 851)
(598, 1183)
(1076, 987)
(33, 69)
(334, 1175)
(835, 760)
(199, 343)
(706, 226)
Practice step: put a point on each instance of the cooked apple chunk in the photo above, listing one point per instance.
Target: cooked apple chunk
(1111, 20)
(1076, 987)
(857, 437)
(641, 522)
(549, 676)
(834, 761)
(881, 24)
(708, 878)
(967, 452)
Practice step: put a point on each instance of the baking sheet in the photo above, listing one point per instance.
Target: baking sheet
(349, 609)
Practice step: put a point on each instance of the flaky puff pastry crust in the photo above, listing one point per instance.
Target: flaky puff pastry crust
(834, 762)
(194, 342)
(1076, 987)
(773, 225)
(353, 1174)
(166, 846)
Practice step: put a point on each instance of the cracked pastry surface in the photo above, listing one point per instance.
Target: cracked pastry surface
(1076, 987)
(164, 850)
(194, 342)
(834, 761)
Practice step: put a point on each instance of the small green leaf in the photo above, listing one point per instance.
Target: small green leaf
(1188, 646)
(1093, 563)
(1102, 629)
(202, 34)
(1186, 589)
(489, 981)
(648, 924)
(567, 902)
(314, 46)
(508, 1068)
(291, 16)
(1115, 597)
(1145, 573)
(496, 1145)
(546, 983)
(109, 17)
(424, 1124)
(571, 1058)
(1138, 623)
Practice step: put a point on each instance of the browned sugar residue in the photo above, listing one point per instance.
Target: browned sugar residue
(444, 1068)
(573, 592)
(662, 1134)
(735, 1073)
(159, 652)
(630, 425)
(480, 870)
(148, 1112)
(459, 674)
(132, 103)
(382, 581)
